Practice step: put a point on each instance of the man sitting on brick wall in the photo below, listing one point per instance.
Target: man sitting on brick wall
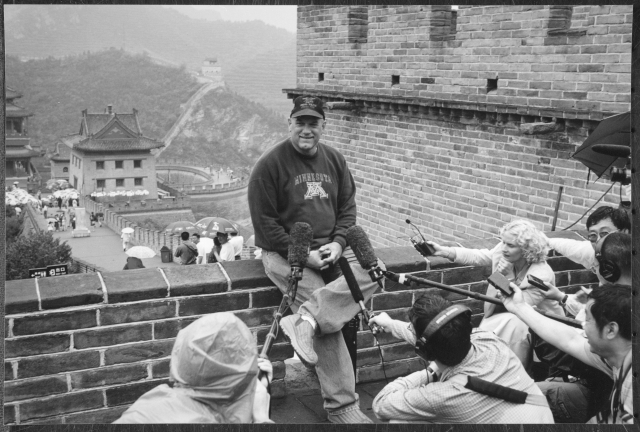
(214, 369)
(442, 393)
(303, 180)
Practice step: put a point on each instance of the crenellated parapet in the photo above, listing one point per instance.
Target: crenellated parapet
(82, 348)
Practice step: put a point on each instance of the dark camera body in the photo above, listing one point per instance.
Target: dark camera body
(621, 175)
(423, 248)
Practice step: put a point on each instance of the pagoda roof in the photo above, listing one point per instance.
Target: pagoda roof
(13, 110)
(20, 152)
(62, 152)
(142, 143)
(92, 124)
(11, 94)
(70, 140)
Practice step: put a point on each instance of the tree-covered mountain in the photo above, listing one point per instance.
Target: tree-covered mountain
(56, 90)
(226, 128)
(257, 60)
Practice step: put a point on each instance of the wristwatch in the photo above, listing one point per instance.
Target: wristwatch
(564, 299)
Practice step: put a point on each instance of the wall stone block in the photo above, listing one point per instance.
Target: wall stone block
(138, 352)
(131, 285)
(52, 364)
(195, 280)
(79, 289)
(108, 375)
(35, 388)
(52, 322)
(35, 345)
(68, 403)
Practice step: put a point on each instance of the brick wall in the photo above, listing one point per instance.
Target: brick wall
(440, 147)
(82, 348)
(589, 69)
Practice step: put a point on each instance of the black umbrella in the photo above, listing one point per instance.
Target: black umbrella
(612, 131)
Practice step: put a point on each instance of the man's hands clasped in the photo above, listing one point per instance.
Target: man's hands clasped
(324, 256)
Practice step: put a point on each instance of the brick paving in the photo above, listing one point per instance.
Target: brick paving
(303, 403)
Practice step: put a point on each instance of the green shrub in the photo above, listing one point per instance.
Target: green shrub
(13, 227)
(35, 251)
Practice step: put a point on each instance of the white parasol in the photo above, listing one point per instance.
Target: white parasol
(141, 252)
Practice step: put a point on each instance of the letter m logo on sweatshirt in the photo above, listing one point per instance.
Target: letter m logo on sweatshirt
(315, 189)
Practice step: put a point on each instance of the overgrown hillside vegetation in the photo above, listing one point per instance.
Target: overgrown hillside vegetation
(227, 129)
(57, 90)
(257, 60)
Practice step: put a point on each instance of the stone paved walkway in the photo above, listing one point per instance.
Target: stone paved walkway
(103, 250)
(304, 403)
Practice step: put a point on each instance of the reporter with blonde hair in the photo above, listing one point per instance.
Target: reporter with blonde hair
(522, 251)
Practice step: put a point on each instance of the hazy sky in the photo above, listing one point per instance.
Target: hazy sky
(279, 16)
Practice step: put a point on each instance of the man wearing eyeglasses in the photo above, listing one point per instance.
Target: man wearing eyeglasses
(602, 222)
(579, 399)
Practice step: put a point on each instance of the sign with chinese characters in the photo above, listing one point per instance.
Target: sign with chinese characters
(57, 270)
(38, 272)
(52, 270)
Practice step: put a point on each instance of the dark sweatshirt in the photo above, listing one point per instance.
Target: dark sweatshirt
(287, 187)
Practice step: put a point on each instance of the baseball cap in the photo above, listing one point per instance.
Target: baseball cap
(307, 105)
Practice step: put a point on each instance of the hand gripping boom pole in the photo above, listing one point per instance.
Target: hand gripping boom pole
(405, 279)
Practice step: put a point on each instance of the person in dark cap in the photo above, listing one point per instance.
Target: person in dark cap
(301, 179)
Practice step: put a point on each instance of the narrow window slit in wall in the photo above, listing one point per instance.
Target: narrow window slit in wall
(492, 84)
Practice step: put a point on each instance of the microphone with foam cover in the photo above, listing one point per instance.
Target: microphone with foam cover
(300, 238)
(356, 292)
(362, 249)
(615, 150)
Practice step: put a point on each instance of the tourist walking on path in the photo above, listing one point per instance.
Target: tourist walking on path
(187, 251)
(237, 241)
(126, 240)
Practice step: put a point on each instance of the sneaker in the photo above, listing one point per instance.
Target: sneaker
(352, 416)
(300, 333)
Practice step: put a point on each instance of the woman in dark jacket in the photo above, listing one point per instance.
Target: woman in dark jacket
(133, 263)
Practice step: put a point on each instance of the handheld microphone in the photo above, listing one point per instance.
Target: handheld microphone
(615, 150)
(416, 228)
(362, 249)
(352, 283)
(300, 238)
